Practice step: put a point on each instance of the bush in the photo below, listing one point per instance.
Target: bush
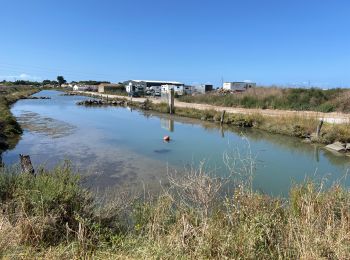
(55, 217)
(47, 206)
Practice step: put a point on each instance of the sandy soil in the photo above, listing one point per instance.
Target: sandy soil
(336, 118)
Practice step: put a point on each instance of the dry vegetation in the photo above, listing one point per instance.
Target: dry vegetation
(51, 216)
(279, 98)
(295, 125)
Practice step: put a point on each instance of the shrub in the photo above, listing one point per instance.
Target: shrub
(47, 206)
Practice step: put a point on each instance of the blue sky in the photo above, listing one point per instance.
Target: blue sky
(266, 41)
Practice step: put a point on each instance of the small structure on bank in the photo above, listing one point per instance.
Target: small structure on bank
(26, 164)
(238, 86)
(103, 87)
(203, 88)
(339, 147)
(79, 87)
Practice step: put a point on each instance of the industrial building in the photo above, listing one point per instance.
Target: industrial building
(238, 86)
(142, 85)
(179, 90)
(203, 88)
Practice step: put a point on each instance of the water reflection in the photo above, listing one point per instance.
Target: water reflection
(114, 146)
(167, 123)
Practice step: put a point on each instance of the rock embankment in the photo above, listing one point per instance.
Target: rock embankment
(339, 147)
(70, 94)
(30, 97)
(146, 105)
(97, 102)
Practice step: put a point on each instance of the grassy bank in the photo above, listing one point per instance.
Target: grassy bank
(279, 98)
(10, 130)
(297, 126)
(52, 216)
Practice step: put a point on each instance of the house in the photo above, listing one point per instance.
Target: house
(203, 88)
(188, 90)
(66, 85)
(85, 88)
(142, 85)
(238, 86)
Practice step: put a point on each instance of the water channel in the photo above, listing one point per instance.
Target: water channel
(121, 147)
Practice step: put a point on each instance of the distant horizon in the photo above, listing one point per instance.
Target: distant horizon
(215, 86)
(283, 43)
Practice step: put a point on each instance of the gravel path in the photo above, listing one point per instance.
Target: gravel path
(336, 118)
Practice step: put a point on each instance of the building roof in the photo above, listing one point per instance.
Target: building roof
(239, 82)
(158, 81)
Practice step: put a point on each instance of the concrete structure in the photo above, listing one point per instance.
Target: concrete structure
(142, 85)
(188, 90)
(203, 88)
(103, 86)
(238, 86)
(66, 85)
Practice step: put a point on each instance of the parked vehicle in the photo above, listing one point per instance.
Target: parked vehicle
(134, 94)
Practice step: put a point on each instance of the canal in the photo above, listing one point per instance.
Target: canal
(119, 147)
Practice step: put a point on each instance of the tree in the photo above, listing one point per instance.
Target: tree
(46, 82)
(61, 80)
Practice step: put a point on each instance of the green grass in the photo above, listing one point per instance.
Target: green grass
(51, 216)
(279, 98)
(9, 128)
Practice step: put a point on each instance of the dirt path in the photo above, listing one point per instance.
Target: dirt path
(333, 117)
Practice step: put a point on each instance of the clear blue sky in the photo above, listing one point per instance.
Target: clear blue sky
(266, 41)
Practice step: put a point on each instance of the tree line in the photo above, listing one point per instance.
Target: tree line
(60, 80)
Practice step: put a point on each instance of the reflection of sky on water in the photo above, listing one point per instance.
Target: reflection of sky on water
(114, 146)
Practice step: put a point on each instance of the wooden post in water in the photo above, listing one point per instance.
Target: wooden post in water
(222, 117)
(171, 96)
(318, 130)
(26, 164)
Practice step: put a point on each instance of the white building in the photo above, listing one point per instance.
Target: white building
(142, 85)
(177, 89)
(85, 88)
(203, 88)
(188, 90)
(238, 86)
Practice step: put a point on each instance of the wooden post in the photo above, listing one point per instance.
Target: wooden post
(318, 130)
(26, 164)
(222, 117)
(171, 96)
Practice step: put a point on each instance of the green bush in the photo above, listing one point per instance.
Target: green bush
(51, 203)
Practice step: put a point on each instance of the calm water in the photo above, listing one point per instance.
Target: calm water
(116, 147)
